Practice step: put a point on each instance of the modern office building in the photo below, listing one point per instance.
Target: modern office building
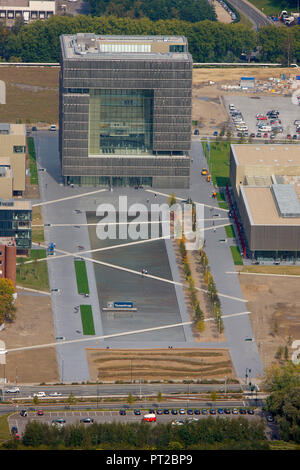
(8, 252)
(15, 222)
(29, 10)
(265, 182)
(125, 110)
(13, 156)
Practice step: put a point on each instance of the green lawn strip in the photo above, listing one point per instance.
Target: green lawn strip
(218, 160)
(4, 428)
(270, 7)
(32, 161)
(81, 277)
(229, 231)
(34, 254)
(223, 205)
(33, 275)
(87, 319)
(236, 255)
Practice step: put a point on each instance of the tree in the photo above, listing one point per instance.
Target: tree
(7, 307)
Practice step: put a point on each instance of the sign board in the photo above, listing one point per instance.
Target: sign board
(123, 304)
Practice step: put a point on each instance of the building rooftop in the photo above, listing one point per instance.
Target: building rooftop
(90, 45)
(15, 204)
(21, 3)
(262, 209)
(270, 155)
(12, 129)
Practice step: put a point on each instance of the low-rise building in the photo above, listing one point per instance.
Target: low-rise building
(13, 155)
(15, 222)
(8, 252)
(265, 182)
(29, 10)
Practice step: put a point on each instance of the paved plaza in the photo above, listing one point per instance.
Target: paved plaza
(115, 273)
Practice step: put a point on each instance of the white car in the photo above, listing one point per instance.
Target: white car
(55, 394)
(53, 127)
(39, 394)
(13, 390)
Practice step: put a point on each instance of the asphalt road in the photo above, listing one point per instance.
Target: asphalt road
(256, 17)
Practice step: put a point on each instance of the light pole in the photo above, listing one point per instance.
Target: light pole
(248, 371)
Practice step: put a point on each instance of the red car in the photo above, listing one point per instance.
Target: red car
(261, 117)
(289, 136)
(40, 413)
(265, 135)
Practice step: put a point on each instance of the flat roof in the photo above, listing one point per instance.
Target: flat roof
(12, 204)
(12, 129)
(86, 46)
(261, 207)
(261, 155)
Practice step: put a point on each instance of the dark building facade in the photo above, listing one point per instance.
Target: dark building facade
(8, 253)
(125, 110)
(15, 222)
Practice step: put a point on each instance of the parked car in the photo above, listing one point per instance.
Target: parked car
(122, 412)
(137, 412)
(215, 133)
(87, 420)
(174, 412)
(270, 419)
(252, 134)
(197, 412)
(250, 411)
(166, 411)
(243, 411)
(196, 132)
(295, 137)
(265, 135)
(227, 411)
(13, 390)
(288, 136)
(55, 394)
(220, 411)
(159, 411)
(182, 411)
(14, 430)
(52, 127)
(212, 411)
(23, 413)
(190, 412)
(34, 128)
(39, 394)
(40, 413)
(235, 411)
(258, 134)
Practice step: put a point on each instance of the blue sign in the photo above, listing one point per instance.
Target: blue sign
(123, 304)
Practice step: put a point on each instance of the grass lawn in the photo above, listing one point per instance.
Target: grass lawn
(4, 428)
(218, 162)
(271, 7)
(87, 319)
(229, 231)
(33, 275)
(81, 277)
(37, 232)
(223, 205)
(32, 161)
(237, 258)
(288, 270)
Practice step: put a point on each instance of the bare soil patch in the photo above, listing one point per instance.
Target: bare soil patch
(159, 364)
(33, 326)
(31, 94)
(274, 305)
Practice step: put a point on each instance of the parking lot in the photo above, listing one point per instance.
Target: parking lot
(176, 416)
(250, 107)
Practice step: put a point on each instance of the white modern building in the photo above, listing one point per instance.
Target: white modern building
(30, 10)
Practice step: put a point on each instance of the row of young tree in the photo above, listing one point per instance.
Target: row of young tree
(209, 41)
(207, 433)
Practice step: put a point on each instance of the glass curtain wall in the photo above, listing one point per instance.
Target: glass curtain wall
(120, 122)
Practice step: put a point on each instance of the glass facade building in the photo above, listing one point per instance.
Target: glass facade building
(15, 222)
(125, 110)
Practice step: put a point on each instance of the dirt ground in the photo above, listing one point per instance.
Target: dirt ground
(159, 364)
(274, 305)
(33, 326)
(222, 15)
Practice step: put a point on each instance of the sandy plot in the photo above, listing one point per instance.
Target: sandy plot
(274, 304)
(222, 15)
(33, 326)
(158, 364)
